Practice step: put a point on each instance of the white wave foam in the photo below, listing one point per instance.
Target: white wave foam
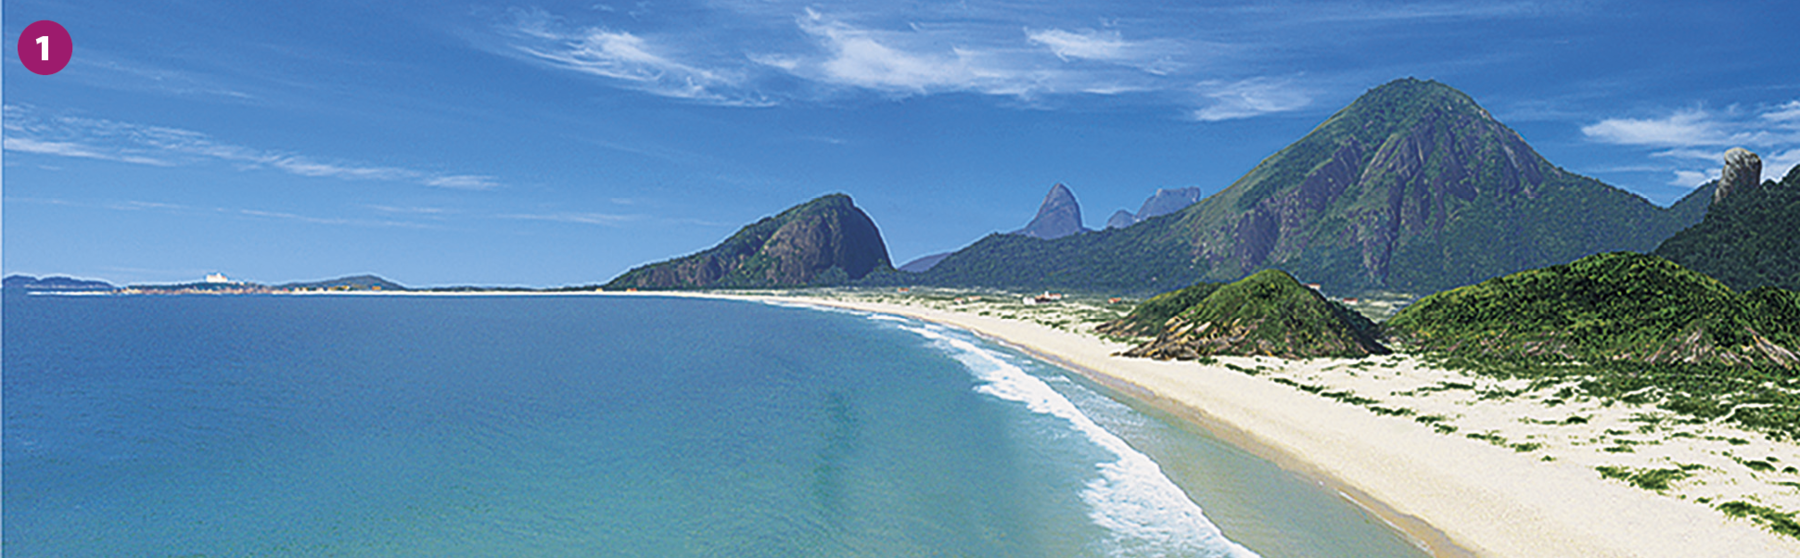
(1146, 512)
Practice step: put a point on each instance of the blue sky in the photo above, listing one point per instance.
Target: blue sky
(553, 143)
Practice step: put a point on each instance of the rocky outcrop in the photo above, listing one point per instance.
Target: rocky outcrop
(1268, 313)
(824, 241)
(1748, 240)
(1743, 171)
(1057, 217)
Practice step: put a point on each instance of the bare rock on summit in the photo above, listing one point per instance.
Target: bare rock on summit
(1743, 170)
(1059, 216)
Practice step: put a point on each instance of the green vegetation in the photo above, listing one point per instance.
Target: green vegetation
(1647, 479)
(825, 241)
(1149, 317)
(1268, 313)
(1770, 518)
(1749, 239)
(1462, 199)
(1626, 327)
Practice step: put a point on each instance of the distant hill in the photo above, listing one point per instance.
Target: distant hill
(1268, 313)
(1749, 238)
(1121, 219)
(54, 283)
(1163, 202)
(1608, 307)
(820, 242)
(1412, 188)
(1057, 217)
(352, 283)
(923, 263)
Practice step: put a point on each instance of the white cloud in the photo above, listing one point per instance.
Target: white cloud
(1777, 165)
(636, 61)
(91, 138)
(70, 149)
(872, 60)
(1088, 44)
(1787, 113)
(607, 219)
(1248, 98)
(1696, 139)
(1691, 178)
(1684, 128)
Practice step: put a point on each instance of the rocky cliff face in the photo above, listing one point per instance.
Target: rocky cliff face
(1057, 217)
(824, 241)
(1743, 171)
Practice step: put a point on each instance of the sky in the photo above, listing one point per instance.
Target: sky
(562, 143)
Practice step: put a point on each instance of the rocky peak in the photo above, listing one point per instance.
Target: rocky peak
(824, 241)
(1057, 217)
(1743, 170)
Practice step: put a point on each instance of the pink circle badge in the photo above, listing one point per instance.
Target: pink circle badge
(45, 47)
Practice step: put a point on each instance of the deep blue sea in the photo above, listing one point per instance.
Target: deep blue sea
(598, 426)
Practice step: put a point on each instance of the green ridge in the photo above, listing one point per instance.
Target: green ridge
(1268, 313)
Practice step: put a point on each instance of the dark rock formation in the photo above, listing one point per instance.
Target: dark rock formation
(1743, 171)
(1057, 217)
(1268, 313)
(1120, 219)
(823, 241)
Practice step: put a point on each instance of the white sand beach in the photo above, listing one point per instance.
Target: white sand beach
(1455, 495)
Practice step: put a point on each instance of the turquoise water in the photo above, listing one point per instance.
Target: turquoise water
(597, 426)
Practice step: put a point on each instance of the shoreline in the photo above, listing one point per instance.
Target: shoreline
(1450, 495)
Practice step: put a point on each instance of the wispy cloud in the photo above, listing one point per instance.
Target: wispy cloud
(1154, 56)
(1683, 128)
(1694, 140)
(1248, 98)
(638, 62)
(195, 210)
(29, 130)
(607, 219)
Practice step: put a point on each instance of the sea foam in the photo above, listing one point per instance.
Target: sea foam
(1147, 514)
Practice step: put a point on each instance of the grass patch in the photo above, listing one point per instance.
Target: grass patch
(1390, 412)
(1526, 447)
(1770, 518)
(1647, 479)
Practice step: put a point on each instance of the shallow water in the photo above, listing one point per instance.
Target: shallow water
(365, 426)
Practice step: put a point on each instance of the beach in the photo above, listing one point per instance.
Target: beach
(1454, 495)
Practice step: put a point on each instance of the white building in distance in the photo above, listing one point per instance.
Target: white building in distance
(217, 278)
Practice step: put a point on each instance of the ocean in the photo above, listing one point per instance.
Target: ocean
(599, 426)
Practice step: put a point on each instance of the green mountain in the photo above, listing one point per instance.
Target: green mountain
(1268, 313)
(1413, 187)
(821, 242)
(1749, 238)
(1607, 307)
